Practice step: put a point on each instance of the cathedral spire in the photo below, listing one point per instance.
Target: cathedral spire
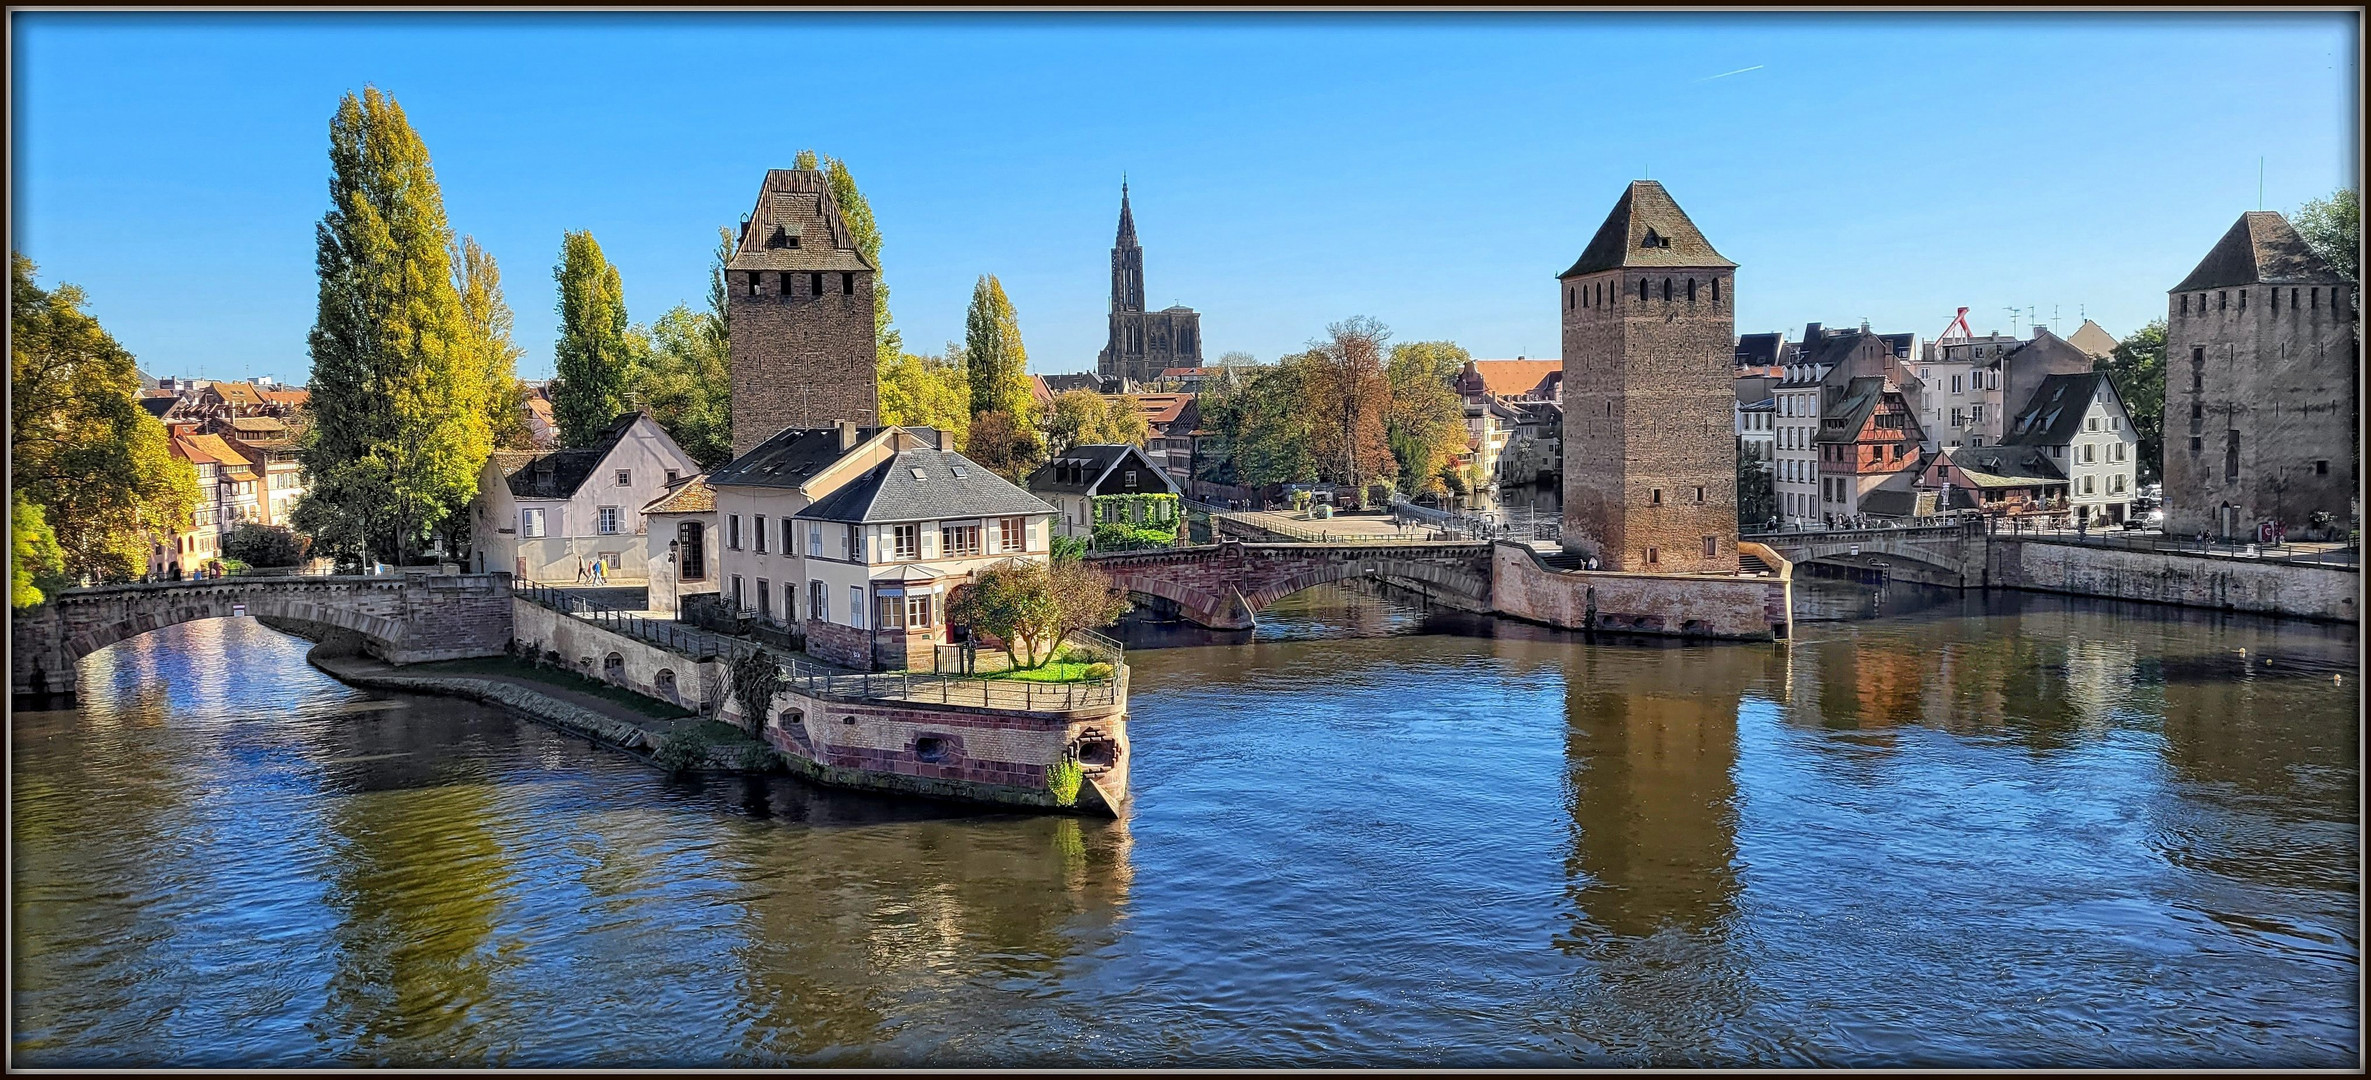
(1127, 236)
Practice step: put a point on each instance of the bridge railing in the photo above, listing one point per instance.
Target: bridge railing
(824, 681)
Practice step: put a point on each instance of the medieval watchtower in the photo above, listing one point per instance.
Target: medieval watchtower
(799, 310)
(1650, 463)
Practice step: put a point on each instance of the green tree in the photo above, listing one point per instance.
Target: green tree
(928, 391)
(35, 564)
(400, 425)
(684, 380)
(1266, 430)
(858, 213)
(492, 351)
(996, 362)
(1425, 427)
(593, 363)
(2138, 369)
(1033, 608)
(2333, 228)
(97, 466)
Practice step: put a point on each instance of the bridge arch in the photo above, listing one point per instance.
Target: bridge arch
(1226, 585)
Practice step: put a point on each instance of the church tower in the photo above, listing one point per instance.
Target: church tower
(799, 312)
(1650, 458)
(1143, 343)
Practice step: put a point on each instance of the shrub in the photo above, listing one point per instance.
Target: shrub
(681, 751)
(1098, 670)
(1069, 549)
(757, 758)
(1063, 778)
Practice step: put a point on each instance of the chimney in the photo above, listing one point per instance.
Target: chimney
(1810, 333)
(2038, 331)
(847, 435)
(938, 438)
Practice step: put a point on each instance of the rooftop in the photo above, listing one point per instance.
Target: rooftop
(1646, 228)
(922, 484)
(2261, 247)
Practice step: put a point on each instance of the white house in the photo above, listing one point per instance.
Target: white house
(2080, 422)
(541, 514)
(679, 543)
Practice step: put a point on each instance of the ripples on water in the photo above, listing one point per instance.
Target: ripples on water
(2015, 832)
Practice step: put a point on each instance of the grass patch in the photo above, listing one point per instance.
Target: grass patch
(687, 747)
(563, 680)
(1059, 671)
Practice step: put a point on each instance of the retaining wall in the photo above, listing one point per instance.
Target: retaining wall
(1681, 605)
(2171, 577)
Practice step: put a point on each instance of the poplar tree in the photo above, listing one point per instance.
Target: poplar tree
(999, 366)
(887, 344)
(400, 418)
(496, 356)
(593, 364)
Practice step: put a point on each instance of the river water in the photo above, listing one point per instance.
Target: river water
(2013, 830)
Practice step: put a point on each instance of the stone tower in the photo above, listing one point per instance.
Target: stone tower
(1143, 343)
(2260, 386)
(799, 310)
(1650, 461)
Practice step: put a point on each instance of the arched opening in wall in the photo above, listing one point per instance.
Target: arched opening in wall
(930, 748)
(613, 667)
(1642, 289)
(1691, 290)
(790, 719)
(664, 683)
(1096, 752)
(1666, 288)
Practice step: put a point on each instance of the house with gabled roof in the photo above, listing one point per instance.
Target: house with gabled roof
(2080, 421)
(1071, 481)
(679, 542)
(542, 514)
(1868, 441)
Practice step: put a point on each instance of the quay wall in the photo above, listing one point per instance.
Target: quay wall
(1681, 605)
(2327, 593)
(974, 755)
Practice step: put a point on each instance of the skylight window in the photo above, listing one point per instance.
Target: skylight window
(960, 472)
(917, 472)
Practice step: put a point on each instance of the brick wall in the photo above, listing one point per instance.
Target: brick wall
(2172, 577)
(1648, 408)
(1752, 608)
(2285, 381)
(800, 360)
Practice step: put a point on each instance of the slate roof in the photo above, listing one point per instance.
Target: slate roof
(1884, 502)
(2055, 412)
(690, 495)
(1759, 350)
(1062, 384)
(792, 457)
(1861, 397)
(1080, 469)
(786, 206)
(1899, 343)
(922, 484)
(1623, 240)
(158, 405)
(568, 468)
(2261, 247)
(2004, 466)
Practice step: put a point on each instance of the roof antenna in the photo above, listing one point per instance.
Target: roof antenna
(2259, 181)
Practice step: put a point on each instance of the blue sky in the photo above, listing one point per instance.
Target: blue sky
(1434, 172)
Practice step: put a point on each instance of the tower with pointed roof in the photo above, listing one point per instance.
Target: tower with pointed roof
(1650, 463)
(799, 312)
(1143, 343)
(2260, 385)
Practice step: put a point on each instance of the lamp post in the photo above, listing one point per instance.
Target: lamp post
(672, 547)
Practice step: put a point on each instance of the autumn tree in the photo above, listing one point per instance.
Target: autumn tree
(593, 363)
(2138, 369)
(2333, 228)
(1083, 417)
(1034, 608)
(1007, 447)
(1425, 428)
(400, 421)
(1349, 397)
(94, 469)
(995, 361)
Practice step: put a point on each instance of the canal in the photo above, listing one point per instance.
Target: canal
(2015, 830)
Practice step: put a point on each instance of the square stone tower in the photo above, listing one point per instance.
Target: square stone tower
(2260, 386)
(1650, 458)
(799, 311)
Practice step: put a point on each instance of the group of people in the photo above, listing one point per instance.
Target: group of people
(597, 573)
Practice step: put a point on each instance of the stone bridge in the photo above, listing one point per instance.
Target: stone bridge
(403, 619)
(1950, 554)
(1226, 585)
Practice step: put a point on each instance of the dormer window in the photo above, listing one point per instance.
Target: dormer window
(783, 236)
(1654, 239)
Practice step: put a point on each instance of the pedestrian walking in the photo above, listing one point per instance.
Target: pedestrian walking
(581, 573)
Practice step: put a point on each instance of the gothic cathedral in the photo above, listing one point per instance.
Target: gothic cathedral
(1143, 343)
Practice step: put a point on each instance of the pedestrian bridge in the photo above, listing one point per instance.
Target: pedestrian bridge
(1951, 554)
(402, 618)
(1227, 584)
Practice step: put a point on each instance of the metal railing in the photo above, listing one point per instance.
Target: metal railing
(2310, 554)
(824, 681)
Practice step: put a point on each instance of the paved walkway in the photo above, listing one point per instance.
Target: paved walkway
(1338, 528)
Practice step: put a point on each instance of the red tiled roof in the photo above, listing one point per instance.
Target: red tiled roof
(1514, 378)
